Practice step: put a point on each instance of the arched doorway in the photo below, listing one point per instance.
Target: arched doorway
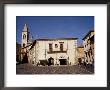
(50, 61)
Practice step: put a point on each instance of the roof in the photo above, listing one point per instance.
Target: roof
(81, 46)
(49, 39)
(27, 45)
(88, 34)
(33, 43)
(25, 29)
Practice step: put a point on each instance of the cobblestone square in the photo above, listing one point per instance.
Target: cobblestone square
(31, 69)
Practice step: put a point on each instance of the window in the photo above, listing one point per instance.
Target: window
(85, 46)
(24, 36)
(61, 47)
(56, 46)
(32, 62)
(89, 53)
(50, 48)
(86, 54)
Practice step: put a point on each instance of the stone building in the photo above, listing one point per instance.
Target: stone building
(88, 42)
(80, 54)
(59, 51)
(18, 52)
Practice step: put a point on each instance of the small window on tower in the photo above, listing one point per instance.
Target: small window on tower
(24, 36)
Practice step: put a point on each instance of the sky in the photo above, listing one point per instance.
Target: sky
(55, 26)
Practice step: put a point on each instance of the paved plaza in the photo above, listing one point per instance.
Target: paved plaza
(31, 69)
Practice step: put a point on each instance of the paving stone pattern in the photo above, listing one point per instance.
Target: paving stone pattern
(31, 69)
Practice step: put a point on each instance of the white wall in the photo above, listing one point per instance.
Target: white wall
(69, 45)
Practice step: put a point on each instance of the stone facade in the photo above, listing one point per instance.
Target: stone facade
(18, 52)
(54, 51)
(80, 55)
(88, 42)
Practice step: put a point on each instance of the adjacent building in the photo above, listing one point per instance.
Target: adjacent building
(18, 52)
(80, 54)
(88, 42)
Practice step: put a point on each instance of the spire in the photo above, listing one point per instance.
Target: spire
(25, 28)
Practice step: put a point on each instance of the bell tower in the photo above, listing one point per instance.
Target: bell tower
(25, 36)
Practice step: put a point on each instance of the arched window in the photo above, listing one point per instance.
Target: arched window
(24, 36)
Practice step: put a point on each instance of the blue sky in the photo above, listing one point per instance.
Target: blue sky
(55, 26)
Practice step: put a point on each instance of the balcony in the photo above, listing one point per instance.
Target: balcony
(57, 51)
